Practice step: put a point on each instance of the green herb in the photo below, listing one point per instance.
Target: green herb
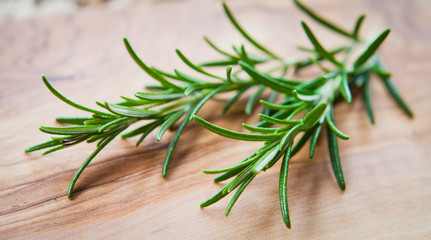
(302, 109)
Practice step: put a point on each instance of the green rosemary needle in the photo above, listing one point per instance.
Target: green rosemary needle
(294, 107)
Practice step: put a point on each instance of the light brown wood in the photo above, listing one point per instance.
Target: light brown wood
(122, 195)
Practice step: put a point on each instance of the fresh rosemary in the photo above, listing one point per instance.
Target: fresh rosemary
(178, 98)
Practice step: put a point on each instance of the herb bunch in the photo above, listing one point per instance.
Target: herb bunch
(178, 97)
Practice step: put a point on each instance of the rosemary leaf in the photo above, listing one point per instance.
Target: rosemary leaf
(168, 123)
(131, 111)
(219, 195)
(174, 143)
(159, 96)
(40, 146)
(229, 174)
(218, 63)
(313, 140)
(148, 70)
(344, 87)
(229, 74)
(274, 120)
(237, 194)
(260, 129)
(322, 21)
(331, 124)
(280, 107)
(283, 188)
(305, 97)
(265, 79)
(194, 67)
(230, 56)
(245, 34)
(71, 103)
(72, 120)
(335, 157)
(397, 97)
(234, 135)
(358, 25)
(319, 48)
(88, 160)
(371, 49)
(74, 130)
(314, 115)
(367, 99)
(278, 115)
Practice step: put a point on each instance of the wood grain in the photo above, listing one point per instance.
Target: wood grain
(121, 195)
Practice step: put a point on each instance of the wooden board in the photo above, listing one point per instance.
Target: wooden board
(122, 195)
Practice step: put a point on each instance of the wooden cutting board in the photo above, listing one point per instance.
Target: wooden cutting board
(121, 195)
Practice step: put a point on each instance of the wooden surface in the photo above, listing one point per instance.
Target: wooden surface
(121, 195)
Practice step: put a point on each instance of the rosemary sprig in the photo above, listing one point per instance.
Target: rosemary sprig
(316, 98)
(294, 107)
